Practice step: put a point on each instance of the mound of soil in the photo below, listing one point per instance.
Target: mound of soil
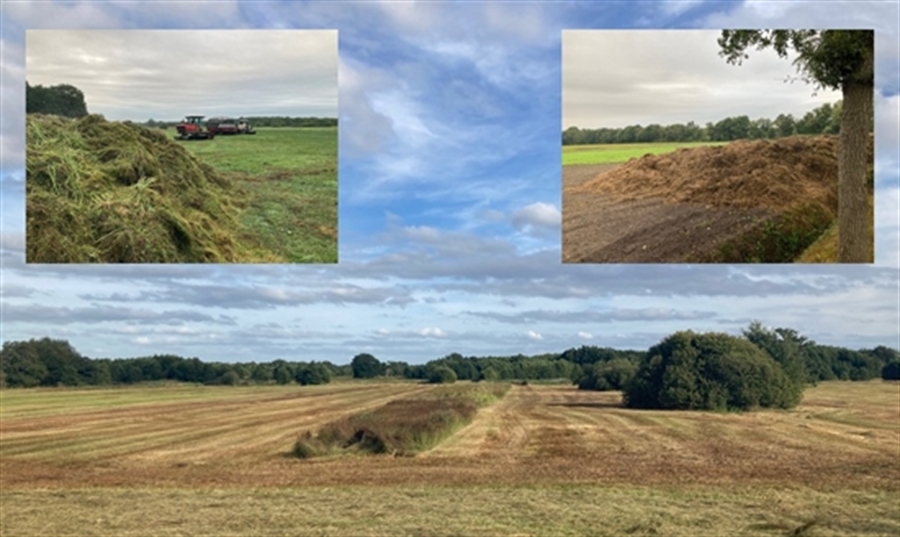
(103, 191)
(772, 174)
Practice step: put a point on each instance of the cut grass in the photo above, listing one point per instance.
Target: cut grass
(450, 511)
(616, 153)
(544, 460)
(290, 179)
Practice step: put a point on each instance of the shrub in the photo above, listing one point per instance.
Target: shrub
(441, 375)
(366, 366)
(709, 372)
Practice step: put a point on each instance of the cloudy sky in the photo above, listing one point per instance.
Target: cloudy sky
(616, 78)
(167, 74)
(450, 121)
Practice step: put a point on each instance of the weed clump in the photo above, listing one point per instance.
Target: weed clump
(110, 192)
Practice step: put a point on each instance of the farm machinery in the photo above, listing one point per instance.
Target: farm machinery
(225, 125)
(192, 129)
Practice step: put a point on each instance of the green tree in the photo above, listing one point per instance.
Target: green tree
(22, 367)
(62, 100)
(441, 374)
(312, 374)
(612, 375)
(833, 59)
(709, 371)
(891, 371)
(366, 366)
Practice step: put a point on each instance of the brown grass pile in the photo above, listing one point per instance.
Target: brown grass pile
(103, 191)
(743, 174)
(402, 427)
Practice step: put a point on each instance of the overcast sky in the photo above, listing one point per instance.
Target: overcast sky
(616, 78)
(449, 202)
(167, 74)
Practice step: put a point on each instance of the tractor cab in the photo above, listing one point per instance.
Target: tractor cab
(192, 129)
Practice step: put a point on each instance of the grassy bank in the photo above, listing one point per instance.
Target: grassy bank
(404, 426)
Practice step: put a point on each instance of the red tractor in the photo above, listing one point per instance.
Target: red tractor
(192, 129)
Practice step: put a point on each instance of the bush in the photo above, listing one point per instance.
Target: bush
(612, 375)
(441, 375)
(692, 371)
(891, 371)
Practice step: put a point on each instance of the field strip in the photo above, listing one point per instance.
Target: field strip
(203, 428)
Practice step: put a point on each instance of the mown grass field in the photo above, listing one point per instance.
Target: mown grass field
(289, 176)
(616, 153)
(544, 460)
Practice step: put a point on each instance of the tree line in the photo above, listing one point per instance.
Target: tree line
(825, 119)
(262, 121)
(62, 100)
(51, 362)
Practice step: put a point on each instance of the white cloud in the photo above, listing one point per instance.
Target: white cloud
(538, 214)
(142, 340)
(585, 335)
(534, 335)
(432, 332)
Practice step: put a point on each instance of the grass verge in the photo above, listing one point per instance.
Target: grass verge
(780, 239)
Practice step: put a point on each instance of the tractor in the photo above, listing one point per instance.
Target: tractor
(192, 129)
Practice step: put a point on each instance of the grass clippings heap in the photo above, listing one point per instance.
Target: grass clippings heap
(110, 192)
(402, 427)
(747, 174)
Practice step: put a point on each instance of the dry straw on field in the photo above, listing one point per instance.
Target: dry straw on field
(103, 191)
(774, 174)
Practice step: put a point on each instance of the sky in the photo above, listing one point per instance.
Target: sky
(617, 78)
(449, 200)
(166, 74)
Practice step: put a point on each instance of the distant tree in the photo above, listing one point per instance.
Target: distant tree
(612, 375)
(22, 367)
(834, 59)
(891, 371)
(785, 125)
(441, 374)
(282, 373)
(309, 374)
(782, 344)
(366, 366)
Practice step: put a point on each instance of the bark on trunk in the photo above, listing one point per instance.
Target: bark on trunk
(855, 242)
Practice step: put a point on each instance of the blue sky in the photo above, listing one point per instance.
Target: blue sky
(450, 119)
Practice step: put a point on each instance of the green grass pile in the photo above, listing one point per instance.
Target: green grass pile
(110, 192)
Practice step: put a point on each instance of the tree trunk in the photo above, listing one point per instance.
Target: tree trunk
(855, 242)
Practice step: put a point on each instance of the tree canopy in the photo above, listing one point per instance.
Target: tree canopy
(62, 100)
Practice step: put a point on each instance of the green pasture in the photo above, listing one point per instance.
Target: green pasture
(289, 176)
(616, 153)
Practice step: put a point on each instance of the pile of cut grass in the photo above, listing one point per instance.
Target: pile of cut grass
(402, 427)
(110, 192)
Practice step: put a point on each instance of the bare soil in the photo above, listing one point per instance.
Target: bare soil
(685, 204)
(600, 228)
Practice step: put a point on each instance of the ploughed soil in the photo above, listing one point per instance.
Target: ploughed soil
(685, 204)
